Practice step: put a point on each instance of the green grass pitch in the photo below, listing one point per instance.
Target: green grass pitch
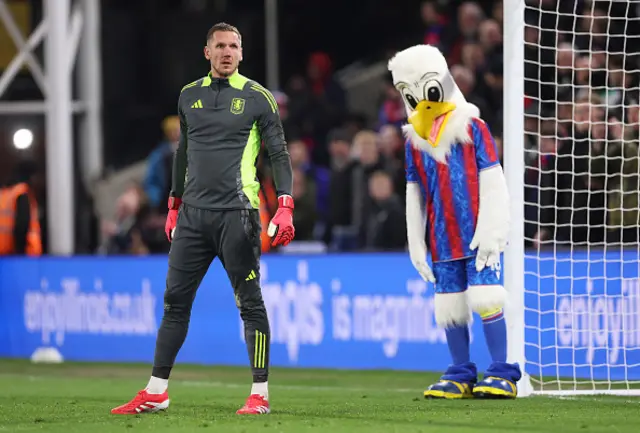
(75, 397)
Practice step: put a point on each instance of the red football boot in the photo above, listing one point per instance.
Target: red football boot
(143, 402)
(255, 405)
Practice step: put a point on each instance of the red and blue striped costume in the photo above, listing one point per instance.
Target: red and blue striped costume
(451, 191)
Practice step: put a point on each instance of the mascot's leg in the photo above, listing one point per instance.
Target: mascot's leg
(453, 314)
(487, 297)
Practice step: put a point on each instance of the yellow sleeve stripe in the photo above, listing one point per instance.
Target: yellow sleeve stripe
(264, 89)
(189, 85)
(268, 95)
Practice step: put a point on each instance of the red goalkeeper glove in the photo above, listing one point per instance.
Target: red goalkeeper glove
(281, 225)
(172, 216)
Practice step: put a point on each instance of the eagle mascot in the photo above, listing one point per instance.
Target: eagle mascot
(457, 208)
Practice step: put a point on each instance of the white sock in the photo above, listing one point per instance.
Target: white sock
(261, 388)
(157, 385)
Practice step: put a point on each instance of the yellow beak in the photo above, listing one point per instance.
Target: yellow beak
(430, 118)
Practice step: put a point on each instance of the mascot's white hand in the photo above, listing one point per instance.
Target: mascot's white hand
(492, 230)
(418, 254)
(488, 251)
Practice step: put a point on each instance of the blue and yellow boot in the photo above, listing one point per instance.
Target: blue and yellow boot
(456, 383)
(499, 382)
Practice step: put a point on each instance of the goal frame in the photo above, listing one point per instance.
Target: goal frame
(514, 167)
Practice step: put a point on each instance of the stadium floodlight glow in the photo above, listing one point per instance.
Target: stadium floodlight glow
(23, 139)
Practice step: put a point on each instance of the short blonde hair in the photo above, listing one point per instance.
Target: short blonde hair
(169, 123)
(223, 27)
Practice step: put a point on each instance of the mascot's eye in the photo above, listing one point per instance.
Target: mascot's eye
(411, 100)
(433, 91)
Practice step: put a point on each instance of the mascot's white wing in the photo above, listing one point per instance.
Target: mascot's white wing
(492, 228)
(416, 225)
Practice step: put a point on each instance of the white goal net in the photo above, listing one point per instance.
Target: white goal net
(581, 194)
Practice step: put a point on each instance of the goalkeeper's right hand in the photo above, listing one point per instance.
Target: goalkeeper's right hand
(416, 233)
(172, 217)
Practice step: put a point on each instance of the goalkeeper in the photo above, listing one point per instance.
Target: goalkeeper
(213, 211)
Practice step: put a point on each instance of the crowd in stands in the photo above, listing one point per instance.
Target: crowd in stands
(581, 123)
(581, 135)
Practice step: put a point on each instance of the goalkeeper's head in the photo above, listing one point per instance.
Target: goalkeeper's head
(223, 49)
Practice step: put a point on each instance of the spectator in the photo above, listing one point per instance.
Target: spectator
(299, 122)
(322, 83)
(385, 223)
(531, 126)
(490, 38)
(319, 176)
(341, 193)
(470, 15)
(124, 234)
(327, 103)
(621, 169)
(304, 218)
(623, 192)
(366, 151)
(392, 109)
(565, 61)
(578, 197)
(353, 124)
(391, 142)
(472, 57)
(157, 181)
(392, 149)
(497, 14)
(539, 176)
(435, 22)
(583, 67)
(19, 216)
(466, 82)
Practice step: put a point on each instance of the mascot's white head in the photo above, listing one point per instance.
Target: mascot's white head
(437, 111)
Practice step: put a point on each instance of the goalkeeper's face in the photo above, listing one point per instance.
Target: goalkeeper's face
(224, 52)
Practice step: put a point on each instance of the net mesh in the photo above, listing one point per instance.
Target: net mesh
(582, 218)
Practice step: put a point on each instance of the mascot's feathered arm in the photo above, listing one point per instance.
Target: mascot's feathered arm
(416, 220)
(416, 224)
(492, 228)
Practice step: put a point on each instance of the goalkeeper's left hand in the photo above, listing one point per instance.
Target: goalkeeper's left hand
(281, 226)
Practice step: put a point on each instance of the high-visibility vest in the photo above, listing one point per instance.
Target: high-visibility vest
(8, 200)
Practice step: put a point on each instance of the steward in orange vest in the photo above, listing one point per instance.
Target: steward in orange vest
(19, 223)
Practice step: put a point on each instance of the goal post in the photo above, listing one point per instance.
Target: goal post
(513, 151)
(572, 163)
